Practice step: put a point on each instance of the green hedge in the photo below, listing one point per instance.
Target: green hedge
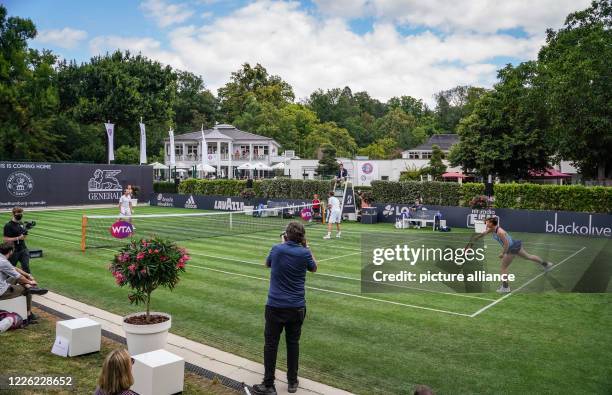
(164, 187)
(554, 197)
(434, 192)
(281, 188)
(518, 196)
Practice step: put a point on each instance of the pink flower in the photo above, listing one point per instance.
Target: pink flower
(180, 265)
(143, 270)
(156, 251)
(150, 251)
(119, 278)
(163, 258)
(132, 268)
(144, 243)
(140, 256)
(124, 257)
(185, 257)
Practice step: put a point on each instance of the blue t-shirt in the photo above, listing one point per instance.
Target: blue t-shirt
(288, 262)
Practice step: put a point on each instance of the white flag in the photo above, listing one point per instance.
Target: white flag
(204, 149)
(172, 148)
(143, 144)
(110, 130)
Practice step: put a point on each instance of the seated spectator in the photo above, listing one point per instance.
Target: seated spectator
(116, 377)
(14, 282)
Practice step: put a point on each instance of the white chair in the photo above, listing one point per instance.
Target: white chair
(15, 305)
(83, 335)
(158, 372)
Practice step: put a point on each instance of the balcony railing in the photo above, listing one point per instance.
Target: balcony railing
(224, 157)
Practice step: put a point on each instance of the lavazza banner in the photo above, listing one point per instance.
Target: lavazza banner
(27, 184)
(533, 221)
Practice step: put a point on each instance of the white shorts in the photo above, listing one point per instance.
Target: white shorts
(335, 217)
(125, 212)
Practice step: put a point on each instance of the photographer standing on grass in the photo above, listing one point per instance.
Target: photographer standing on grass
(15, 231)
(286, 306)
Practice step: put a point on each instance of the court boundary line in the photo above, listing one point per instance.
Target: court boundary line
(340, 292)
(307, 286)
(485, 308)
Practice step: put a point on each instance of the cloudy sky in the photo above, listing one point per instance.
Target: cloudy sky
(386, 47)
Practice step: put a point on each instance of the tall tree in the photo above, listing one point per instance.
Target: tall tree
(328, 165)
(28, 94)
(436, 166)
(454, 104)
(194, 105)
(399, 126)
(507, 132)
(249, 82)
(576, 77)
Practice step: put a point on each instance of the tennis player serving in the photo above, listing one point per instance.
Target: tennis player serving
(511, 248)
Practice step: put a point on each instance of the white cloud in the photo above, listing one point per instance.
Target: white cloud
(145, 45)
(310, 53)
(484, 16)
(165, 13)
(64, 38)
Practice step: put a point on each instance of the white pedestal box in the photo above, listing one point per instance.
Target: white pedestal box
(83, 334)
(158, 372)
(16, 305)
(480, 226)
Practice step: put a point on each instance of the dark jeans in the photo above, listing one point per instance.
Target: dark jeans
(291, 319)
(22, 256)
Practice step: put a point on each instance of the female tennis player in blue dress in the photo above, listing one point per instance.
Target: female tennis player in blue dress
(511, 248)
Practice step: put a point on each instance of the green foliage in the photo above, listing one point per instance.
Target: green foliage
(576, 80)
(554, 197)
(328, 165)
(251, 85)
(410, 174)
(165, 187)
(436, 167)
(146, 264)
(507, 133)
(437, 193)
(470, 190)
(194, 105)
(126, 155)
(329, 134)
(385, 148)
(28, 96)
(399, 126)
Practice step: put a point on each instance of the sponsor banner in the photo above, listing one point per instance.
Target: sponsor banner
(29, 184)
(222, 203)
(533, 221)
(367, 172)
(562, 222)
(348, 206)
(121, 229)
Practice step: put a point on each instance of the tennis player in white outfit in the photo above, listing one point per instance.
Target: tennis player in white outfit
(334, 215)
(125, 205)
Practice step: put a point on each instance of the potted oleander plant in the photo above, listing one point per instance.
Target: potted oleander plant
(145, 265)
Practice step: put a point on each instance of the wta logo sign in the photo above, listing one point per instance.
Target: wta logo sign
(121, 229)
(306, 214)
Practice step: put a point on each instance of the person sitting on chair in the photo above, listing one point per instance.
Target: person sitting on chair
(341, 174)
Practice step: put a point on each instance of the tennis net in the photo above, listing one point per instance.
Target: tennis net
(114, 230)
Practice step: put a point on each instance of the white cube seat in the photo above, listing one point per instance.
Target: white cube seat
(158, 372)
(17, 305)
(83, 334)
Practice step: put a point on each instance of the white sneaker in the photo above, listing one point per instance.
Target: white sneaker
(338, 235)
(327, 236)
(503, 290)
(548, 267)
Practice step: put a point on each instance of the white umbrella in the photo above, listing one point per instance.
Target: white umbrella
(261, 166)
(279, 165)
(246, 166)
(206, 168)
(158, 166)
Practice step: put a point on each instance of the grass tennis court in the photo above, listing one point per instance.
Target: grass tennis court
(365, 343)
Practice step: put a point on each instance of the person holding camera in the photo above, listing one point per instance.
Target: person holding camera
(16, 232)
(286, 305)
